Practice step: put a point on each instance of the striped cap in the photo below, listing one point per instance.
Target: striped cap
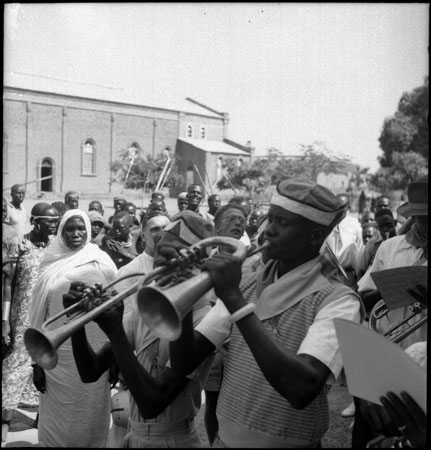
(309, 200)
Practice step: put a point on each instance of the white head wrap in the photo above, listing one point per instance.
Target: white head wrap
(58, 259)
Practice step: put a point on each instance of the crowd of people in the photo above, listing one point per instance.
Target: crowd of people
(261, 343)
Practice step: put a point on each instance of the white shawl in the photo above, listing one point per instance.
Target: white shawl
(58, 259)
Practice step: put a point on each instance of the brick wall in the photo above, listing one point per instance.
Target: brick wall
(59, 125)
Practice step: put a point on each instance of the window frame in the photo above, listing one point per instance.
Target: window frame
(93, 172)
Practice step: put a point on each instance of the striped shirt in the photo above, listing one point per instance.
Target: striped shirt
(250, 411)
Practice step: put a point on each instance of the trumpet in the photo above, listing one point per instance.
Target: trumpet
(162, 307)
(396, 332)
(42, 344)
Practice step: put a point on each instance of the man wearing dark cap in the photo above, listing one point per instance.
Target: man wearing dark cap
(163, 403)
(283, 352)
(404, 250)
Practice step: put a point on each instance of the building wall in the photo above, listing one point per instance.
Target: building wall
(213, 127)
(14, 141)
(207, 164)
(336, 182)
(187, 157)
(56, 127)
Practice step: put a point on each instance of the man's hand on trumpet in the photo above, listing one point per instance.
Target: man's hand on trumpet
(419, 293)
(109, 320)
(168, 252)
(225, 271)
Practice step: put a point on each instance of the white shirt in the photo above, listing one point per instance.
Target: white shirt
(216, 327)
(346, 242)
(143, 263)
(392, 253)
(17, 218)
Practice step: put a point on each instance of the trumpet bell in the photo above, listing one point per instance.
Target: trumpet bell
(164, 309)
(40, 348)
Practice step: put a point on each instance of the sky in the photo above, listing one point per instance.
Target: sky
(288, 74)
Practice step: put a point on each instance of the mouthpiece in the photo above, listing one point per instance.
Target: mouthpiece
(258, 249)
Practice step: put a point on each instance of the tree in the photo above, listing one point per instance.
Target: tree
(317, 158)
(406, 167)
(258, 179)
(359, 178)
(407, 130)
(143, 171)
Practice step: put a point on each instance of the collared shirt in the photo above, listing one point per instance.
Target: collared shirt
(143, 264)
(17, 218)
(250, 411)
(216, 327)
(392, 253)
(346, 242)
(153, 354)
(367, 254)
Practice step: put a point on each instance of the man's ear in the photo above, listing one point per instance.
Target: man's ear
(317, 236)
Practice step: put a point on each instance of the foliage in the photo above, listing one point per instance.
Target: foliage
(143, 172)
(257, 179)
(407, 130)
(406, 167)
(317, 158)
(359, 178)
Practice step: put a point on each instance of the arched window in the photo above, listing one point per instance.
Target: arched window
(89, 157)
(5, 153)
(189, 131)
(202, 133)
(46, 170)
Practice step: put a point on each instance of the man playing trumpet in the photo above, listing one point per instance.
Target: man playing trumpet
(283, 353)
(163, 402)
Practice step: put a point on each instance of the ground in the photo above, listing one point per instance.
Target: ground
(22, 433)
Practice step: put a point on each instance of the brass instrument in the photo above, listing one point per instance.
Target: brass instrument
(42, 343)
(395, 332)
(163, 310)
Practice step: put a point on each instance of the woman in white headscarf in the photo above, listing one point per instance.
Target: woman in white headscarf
(71, 413)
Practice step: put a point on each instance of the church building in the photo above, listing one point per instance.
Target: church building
(60, 136)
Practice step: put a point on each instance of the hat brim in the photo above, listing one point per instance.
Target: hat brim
(407, 210)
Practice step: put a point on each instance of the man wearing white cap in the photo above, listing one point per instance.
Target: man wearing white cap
(283, 352)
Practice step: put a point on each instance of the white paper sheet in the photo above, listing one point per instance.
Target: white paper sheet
(393, 284)
(374, 365)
